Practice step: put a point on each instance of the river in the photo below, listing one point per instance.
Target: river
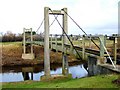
(15, 74)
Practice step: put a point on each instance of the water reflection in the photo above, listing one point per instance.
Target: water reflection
(26, 71)
(12, 77)
(77, 71)
(25, 75)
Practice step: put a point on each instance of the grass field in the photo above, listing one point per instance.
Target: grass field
(100, 81)
(109, 43)
(6, 43)
(75, 42)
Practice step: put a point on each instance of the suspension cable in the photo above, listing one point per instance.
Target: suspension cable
(66, 34)
(40, 25)
(52, 22)
(80, 28)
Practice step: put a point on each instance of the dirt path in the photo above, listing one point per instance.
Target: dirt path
(11, 55)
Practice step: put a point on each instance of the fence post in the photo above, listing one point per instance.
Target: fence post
(56, 42)
(62, 43)
(115, 50)
(102, 50)
(90, 43)
(51, 41)
(24, 47)
(79, 41)
(31, 41)
(83, 47)
(105, 40)
(101, 46)
(74, 38)
(118, 41)
(71, 47)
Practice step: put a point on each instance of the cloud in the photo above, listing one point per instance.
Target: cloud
(96, 16)
(89, 14)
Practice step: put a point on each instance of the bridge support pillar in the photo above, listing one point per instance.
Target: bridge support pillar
(65, 66)
(65, 26)
(46, 44)
(94, 68)
(92, 65)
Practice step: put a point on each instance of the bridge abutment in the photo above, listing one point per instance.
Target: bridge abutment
(97, 65)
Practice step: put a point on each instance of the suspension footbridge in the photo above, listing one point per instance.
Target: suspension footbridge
(97, 58)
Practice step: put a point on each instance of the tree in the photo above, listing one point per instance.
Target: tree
(11, 37)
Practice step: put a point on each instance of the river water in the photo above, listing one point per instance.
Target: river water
(10, 74)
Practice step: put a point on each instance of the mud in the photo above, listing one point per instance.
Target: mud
(117, 81)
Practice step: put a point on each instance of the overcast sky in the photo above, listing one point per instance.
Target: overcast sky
(94, 16)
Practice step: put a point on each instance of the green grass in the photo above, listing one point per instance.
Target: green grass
(75, 42)
(12, 42)
(7, 43)
(100, 81)
(79, 43)
(108, 42)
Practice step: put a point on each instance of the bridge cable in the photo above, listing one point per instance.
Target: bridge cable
(80, 28)
(66, 34)
(52, 22)
(40, 25)
(43, 22)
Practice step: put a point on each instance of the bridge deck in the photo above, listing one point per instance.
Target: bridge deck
(87, 50)
(59, 46)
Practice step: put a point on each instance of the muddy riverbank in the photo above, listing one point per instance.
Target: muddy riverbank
(12, 53)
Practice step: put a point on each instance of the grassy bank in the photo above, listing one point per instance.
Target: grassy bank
(100, 81)
(12, 55)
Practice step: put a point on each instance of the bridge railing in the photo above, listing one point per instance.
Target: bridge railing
(83, 45)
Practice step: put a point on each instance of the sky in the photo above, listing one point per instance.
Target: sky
(94, 16)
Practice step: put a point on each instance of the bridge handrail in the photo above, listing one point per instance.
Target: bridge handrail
(107, 53)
